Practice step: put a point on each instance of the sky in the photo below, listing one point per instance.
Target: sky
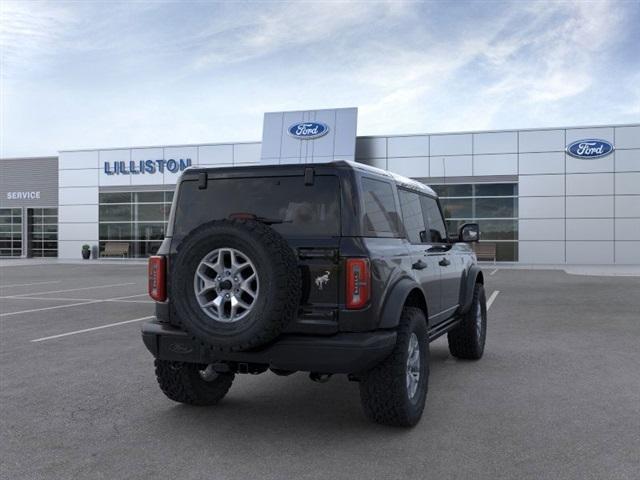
(94, 74)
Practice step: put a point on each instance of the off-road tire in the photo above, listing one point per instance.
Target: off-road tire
(277, 269)
(383, 390)
(182, 382)
(465, 341)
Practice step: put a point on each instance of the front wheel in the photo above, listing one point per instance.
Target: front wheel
(394, 392)
(192, 383)
(467, 340)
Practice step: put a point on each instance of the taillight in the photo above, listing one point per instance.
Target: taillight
(358, 282)
(157, 278)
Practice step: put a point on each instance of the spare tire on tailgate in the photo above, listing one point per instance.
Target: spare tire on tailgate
(235, 284)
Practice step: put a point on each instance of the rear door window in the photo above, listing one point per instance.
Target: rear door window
(380, 214)
(285, 203)
(433, 219)
(412, 216)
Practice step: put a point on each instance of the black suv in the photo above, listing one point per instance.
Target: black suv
(325, 268)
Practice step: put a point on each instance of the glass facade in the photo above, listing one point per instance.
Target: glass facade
(136, 218)
(43, 232)
(494, 206)
(10, 232)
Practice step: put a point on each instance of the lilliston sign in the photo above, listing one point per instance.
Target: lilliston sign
(149, 167)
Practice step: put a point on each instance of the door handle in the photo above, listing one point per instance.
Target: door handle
(419, 265)
(444, 262)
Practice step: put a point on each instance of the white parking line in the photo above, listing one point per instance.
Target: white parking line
(48, 308)
(67, 299)
(494, 271)
(71, 289)
(91, 329)
(28, 284)
(81, 301)
(492, 298)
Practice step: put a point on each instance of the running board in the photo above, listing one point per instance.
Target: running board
(442, 328)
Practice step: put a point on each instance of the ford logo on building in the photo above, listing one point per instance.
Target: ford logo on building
(590, 148)
(308, 130)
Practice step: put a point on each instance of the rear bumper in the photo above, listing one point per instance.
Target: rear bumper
(339, 353)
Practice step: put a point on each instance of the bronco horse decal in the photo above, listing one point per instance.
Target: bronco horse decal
(322, 280)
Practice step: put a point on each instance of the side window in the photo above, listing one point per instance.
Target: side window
(380, 215)
(433, 219)
(412, 215)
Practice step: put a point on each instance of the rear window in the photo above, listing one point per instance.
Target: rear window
(286, 203)
(380, 215)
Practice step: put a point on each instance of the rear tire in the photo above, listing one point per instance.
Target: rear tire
(385, 391)
(466, 341)
(183, 382)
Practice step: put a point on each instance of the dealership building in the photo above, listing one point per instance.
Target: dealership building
(541, 196)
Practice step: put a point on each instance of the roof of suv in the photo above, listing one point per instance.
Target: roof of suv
(398, 179)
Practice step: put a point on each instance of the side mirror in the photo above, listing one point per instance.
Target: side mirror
(469, 232)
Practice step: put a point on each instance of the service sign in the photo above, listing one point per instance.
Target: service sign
(308, 130)
(590, 149)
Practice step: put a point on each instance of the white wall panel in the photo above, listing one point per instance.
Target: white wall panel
(371, 147)
(541, 185)
(77, 213)
(627, 160)
(246, 153)
(500, 164)
(628, 137)
(78, 178)
(375, 162)
(409, 166)
(417, 146)
(499, 142)
(541, 252)
(78, 196)
(542, 141)
(589, 229)
(71, 249)
(628, 183)
(590, 184)
(455, 166)
(541, 207)
(627, 228)
(541, 229)
(110, 156)
(605, 133)
(215, 155)
(546, 162)
(581, 253)
(628, 206)
(87, 159)
(589, 207)
(78, 231)
(459, 144)
(581, 165)
(628, 253)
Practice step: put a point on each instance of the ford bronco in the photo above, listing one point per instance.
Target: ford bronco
(324, 268)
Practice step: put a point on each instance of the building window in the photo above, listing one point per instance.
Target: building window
(43, 232)
(10, 232)
(494, 206)
(138, 219)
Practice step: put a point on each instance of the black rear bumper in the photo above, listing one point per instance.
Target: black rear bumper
(339, 353)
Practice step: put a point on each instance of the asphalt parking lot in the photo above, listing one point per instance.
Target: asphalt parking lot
(557, 394)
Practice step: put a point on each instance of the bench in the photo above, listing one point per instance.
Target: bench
(116, 249)
(485, 251)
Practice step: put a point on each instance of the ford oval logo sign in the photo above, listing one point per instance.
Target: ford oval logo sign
(308, 130)
(590, 148)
